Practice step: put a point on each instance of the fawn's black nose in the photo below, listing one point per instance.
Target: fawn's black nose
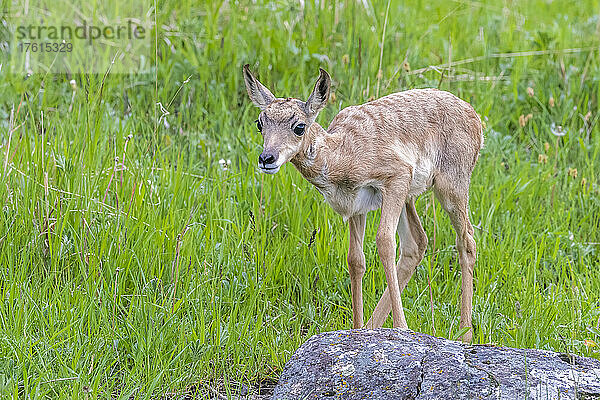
(267, 158)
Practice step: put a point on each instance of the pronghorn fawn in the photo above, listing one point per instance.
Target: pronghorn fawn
(381, 154)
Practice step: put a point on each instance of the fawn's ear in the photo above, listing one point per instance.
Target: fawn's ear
(259, 94)
(320, 95)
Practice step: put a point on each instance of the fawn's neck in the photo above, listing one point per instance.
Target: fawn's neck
(310, 160)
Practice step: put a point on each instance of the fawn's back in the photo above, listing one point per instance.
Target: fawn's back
(419, 132)
(428, 129)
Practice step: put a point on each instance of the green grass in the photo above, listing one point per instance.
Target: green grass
(175, 272)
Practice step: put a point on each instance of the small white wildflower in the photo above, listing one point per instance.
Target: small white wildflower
(557, 130)
(225, 164)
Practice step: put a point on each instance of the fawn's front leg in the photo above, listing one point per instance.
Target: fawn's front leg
(391, 209)
(356, 266)
(413, 243)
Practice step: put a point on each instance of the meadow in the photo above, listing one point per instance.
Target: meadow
(142, 255)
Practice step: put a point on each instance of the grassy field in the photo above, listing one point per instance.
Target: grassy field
(143, 255)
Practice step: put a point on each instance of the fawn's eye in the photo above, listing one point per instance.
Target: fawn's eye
(258, 125)
(299, 129)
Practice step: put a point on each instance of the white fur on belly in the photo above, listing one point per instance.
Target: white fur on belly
(347, 204)
(368, 198)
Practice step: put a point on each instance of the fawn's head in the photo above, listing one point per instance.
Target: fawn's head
(284, 122)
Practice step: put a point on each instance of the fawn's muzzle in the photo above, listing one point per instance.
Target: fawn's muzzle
(267, 162)
(266, 159)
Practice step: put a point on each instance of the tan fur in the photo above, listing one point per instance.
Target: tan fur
(383, 154)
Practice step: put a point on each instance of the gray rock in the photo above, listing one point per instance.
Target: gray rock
(393, 364)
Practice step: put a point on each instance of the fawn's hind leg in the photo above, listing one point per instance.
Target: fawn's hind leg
(454, 198)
